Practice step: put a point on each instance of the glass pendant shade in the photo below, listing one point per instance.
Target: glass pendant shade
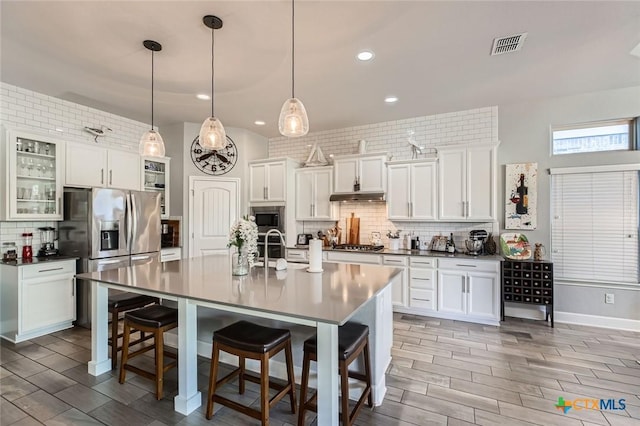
(293, 121)
(212, 134)
(151, 144)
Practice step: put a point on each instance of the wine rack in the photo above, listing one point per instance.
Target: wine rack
(529, 282)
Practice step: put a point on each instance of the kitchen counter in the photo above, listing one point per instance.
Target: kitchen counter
(404, 252)
(37, 260)
(340, 293)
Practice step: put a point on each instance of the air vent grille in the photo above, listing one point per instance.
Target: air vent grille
(508, 44)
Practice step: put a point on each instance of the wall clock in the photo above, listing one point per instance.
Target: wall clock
(214, 162)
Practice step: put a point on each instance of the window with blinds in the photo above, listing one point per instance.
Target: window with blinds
(595, 226)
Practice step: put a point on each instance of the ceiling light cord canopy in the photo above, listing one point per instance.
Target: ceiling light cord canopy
(151, 143)
(212, 133)
(293, 121)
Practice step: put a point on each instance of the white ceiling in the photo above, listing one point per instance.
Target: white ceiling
(433, 55)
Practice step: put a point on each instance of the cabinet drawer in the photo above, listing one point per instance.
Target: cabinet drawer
(395, 260)
(469, 265)
(419, 298)
(48, 268)
(333, 256)
(422, 278)
(297, 255)
(423, 262)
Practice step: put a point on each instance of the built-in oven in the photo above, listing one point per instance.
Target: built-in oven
(269, 218)
(276, 251)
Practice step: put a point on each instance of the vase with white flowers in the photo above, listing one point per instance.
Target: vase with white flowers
(244, 236)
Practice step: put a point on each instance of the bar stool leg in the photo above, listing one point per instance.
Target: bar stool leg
(213, 378)
(367, 371)
(344, 389)
(264, 388)
(125, 350)
(114, 338)
(304, 383)
(290, 377)
(241, 365)
(159, 340)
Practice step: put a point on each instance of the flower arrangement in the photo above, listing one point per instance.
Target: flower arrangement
(394, 234)
(244, 235)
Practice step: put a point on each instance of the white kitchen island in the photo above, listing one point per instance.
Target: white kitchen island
(323, 301)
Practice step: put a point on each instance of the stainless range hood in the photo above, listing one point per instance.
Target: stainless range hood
(359, 196)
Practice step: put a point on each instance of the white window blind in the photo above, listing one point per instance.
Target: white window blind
(595, 226)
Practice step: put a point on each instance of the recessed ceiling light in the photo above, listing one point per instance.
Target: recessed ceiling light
(391, 99)
(203, 96)
(259, 123)
(365, 55)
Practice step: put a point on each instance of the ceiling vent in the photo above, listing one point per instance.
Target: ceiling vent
(508, 44)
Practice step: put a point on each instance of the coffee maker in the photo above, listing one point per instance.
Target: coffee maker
(476, 242)
(47, 238)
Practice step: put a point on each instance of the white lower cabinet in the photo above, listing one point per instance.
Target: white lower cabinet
(170, 253)
(469, 290)
(37, 299)
(422, 283)
(399, 286)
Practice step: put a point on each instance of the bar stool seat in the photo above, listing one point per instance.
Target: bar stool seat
(155, 319)
(353, 340)
(248, 340)
(123, 302)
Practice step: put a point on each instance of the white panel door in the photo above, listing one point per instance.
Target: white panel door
(423, 191)
(482, 297)
(124, 170)
(304, 194)
(373, 174)
(451, 184)
(257, 182)
(86, 166)
(277, 182)
(398, 196)
(214, 208)
(323, 185)
(480, 171)
(451, 292)
(46, 301)
(344, 175)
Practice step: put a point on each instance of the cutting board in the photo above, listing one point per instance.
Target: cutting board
(353, 224)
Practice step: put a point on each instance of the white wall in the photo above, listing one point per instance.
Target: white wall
(525, 137)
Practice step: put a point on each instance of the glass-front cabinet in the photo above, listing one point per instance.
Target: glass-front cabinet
(33, 178)
(155, 177)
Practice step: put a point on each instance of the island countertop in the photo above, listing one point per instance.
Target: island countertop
(331, 296)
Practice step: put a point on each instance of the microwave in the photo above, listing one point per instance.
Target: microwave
(268, 218)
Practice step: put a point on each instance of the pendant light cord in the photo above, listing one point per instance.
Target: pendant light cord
(152, 68)
(293, 48)
(212, 71)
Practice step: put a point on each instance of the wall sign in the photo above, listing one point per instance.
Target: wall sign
(521, 196)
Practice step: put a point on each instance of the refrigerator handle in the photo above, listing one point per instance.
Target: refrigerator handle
(133, 217)
(128, 221)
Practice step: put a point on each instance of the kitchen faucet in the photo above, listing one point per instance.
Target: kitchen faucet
(266, 245)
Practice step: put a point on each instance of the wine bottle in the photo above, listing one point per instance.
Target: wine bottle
(451, 245)
(522, 206)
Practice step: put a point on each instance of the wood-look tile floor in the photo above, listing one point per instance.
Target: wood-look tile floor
(443, 373)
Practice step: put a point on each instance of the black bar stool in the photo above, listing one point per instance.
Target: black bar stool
(248, 340)
(155, 319)
(123, 302)
(353, 339)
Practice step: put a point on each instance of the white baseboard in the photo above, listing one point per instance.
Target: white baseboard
(598, 321)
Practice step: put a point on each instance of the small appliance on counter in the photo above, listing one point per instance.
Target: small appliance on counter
(303, 239)
(47, 238)
(475, 243)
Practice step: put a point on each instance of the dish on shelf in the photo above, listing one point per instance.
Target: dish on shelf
(515, 246)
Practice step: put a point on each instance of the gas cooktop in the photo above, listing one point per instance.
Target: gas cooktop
(358, 247)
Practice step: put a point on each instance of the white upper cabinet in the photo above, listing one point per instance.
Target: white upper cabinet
(369, 170)
(411, 190)
(108, 168)
(155, 177)
(467, 183)
(268, 180)
(31, 177)
(313, 188)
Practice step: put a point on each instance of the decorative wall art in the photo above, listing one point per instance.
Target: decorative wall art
(521, 196)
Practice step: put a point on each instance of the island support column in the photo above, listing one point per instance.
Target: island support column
(100, 362)
(327, 364)
(188, 398)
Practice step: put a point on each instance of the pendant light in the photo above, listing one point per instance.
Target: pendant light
(151, 143)
(293, 121)
(212, 134)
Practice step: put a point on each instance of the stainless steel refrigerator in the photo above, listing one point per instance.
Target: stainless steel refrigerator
(108, 229)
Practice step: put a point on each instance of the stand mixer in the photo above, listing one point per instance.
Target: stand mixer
(47, 238)
(475, 243)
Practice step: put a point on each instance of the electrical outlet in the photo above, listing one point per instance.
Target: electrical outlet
(608, 298)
